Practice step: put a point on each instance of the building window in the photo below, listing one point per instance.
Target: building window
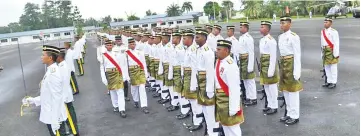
(162, 23)
(135, 26)
(126, 27)
(36, 37)
(47, 36)
(14, 39)
(179, 22)
(145, 25)
(56, 34)
(189, 21)
(4, 40)
(170, 23)
(67, 33)
(154, 25)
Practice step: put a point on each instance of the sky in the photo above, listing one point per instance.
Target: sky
(11, 10)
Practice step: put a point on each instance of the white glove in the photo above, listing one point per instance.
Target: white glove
(269, 74)
(29, 100)
(55, 127)
(105, 82)
(249, 70)
(232, 113)
(296, 77)
(210, 95)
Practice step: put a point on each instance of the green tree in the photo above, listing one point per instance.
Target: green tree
(90, 22)
(64, 13)
(132, 17)
(15, 27)
(148, 12)
(227, 9)
(31, 17)
(4, 30)
(209, 10)
(107, 20)
(173, 10)
(118, 19)
(252, 9)
(187, 6)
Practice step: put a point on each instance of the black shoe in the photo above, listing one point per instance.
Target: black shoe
(147, 85)
(145, 110)
(75, 93)
(271, 111)
(291, 121)
(116, 109)
(196, 127)
(122, 114)
(251, 102)
(326, 85)
(266, 109)
(163, 101)
(284, 118)
(182, 116)
(136, 105)
(126, 99)
(152, 89)
(156, 95)
(172, 108)
(331, 86)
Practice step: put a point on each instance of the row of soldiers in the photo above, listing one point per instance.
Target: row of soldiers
(202, 74)
(58, 86)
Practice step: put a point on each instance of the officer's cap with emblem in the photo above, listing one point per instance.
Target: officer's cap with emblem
(266, 23)
(118, 37)
(202, 32)
(188, 33)
(176, 33)
(157, 35)
(131, 40)
(146, 34)
(62, 51)
(209, 26)
(244, 23)
(217, 26)
(197, 28)
(224, 43)
(285, 18)
(52, 49)
(230, 27)
(108, 42)
(328, 19)
(165, 34)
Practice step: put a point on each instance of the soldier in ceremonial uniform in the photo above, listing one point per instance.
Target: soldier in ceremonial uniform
(190, 80)
(157, 64)
(330, 44)
(205, 72)
(290, 70)
(236, 48)
(247, 64)
(269, 67)
(70, 62)
(229, 111)
(146, 50)
(214, 36)
(164, 68)
(119, 49)
(209, 28)
(70, 116)
(113, 72)
(138, 74)
(150, 65)
(177, 75)
(51, 94)
(78, 55)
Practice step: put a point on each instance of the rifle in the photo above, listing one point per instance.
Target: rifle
(263, 91)
(282, 98)
(323, 66)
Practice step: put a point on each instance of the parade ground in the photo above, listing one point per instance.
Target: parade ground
(324, 112)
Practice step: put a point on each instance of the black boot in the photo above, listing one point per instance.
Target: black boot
(145, 110)
(291, 121)
(284, 118)
(326, 85)
(195, 127)
(331, 86)
(182, 116)
(126, 99)
(172, 108)
(251, 102)
(122, 114)
(136, 105)
(266, 109)
(156, 95)
(271, 111)
(163, 101)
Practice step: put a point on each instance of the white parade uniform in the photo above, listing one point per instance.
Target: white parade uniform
(160, 53)
(205, 63)
(268, 45)
(236, 47)
(117, 96)
(170, 51)
(138, 92)
(289, 44)
(66, 89)
(212, 41)
(147, 52)
(190, 60)
(229, 73)
(331, 70)
(78, 47)
(246, 41)
(69, 59)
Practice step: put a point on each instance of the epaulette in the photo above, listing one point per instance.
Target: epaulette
(193, 48)
(52, 70)
(206, 48)
(61, 64)
(293, 33)
(333, 29)
(180, 47)
(270, 37)
(230, 61)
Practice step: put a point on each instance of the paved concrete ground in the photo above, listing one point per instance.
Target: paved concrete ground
(323, 112)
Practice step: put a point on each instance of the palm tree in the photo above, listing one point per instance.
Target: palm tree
(187, 6)
(228, 6)
(173, 10)
(253, 8)
(148, 12)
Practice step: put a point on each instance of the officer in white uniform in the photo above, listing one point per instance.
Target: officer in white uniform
(214, 36)
(70, 62)
(236, 47)
(78, 55)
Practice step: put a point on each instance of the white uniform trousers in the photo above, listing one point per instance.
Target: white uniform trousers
(272, 95)
(184, 101)
(117, 97)
(331, 73)
(196, 109)
(173, 94)
(139, 92)
(292, 104)
(250, 85)
(209, 116)
(234, 130)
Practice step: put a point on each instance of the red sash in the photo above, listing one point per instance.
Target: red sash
(113, 62)
(223, 84)
(326, 39)
(135, 59)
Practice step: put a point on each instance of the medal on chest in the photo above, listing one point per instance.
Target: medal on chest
(221, 71)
